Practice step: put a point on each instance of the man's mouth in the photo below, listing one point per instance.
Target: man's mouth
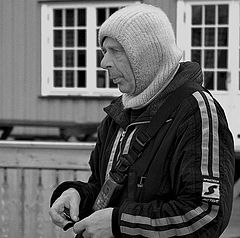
(115, 80)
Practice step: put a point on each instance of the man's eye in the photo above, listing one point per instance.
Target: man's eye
(116, 51)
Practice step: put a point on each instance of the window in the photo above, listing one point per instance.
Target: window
(209, 32)
(211, 39)
(70, 53)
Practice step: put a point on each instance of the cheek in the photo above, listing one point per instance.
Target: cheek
(123, 66)
(130, 83)
(131, 78)
(133, 85)
(127, 69)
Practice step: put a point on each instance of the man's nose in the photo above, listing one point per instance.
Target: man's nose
(106, 62)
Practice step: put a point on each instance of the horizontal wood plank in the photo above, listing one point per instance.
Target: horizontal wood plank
(47, 123)
(45, 155)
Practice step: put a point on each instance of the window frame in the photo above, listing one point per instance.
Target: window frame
(47, 49)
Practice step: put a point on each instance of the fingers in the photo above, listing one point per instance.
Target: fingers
(70, 199)
(57, 217)
(72, 196)
(85, 234)
(97, 225)
(74, 209)
(80, 227)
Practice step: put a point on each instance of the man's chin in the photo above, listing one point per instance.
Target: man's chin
(122, 90)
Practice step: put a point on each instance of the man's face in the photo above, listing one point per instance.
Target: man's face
(118, 65)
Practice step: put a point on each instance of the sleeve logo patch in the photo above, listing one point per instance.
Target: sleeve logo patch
(210, 191)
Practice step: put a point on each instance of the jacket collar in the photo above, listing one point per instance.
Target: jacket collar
(188, 72)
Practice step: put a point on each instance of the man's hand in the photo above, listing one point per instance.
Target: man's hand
(97, 225)
(70, 199)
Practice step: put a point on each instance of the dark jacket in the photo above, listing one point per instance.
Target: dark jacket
(182, 183)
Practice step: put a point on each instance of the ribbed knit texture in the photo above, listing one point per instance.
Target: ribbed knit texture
(147, 37)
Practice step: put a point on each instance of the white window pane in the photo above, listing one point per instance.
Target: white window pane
(57, 18)
(101, 79)
(70, 38)
(58, 78)
(58, 58)
(196, 15)
(209, 14)
(58, 38)
(223, 14)
(209, 36)
(69, 58)
(99, 58)
(112, 10)
(222, 58)
(82, 17)
(81, 58)
(81, 38)
(69, 17)
(223, 36)
(196, 56)
(209, 59)
(101, 16)
(222, 81)
(209, 80)
(81, 79)
(69, 78)
(196, 37)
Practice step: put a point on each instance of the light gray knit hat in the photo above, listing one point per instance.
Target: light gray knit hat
(146, 34)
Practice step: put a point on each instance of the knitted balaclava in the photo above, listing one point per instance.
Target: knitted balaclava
(147, 37)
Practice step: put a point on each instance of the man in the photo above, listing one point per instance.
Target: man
(179, 180)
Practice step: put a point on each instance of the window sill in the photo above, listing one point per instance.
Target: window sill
(98, 97)
(49, 1)
(104, 93)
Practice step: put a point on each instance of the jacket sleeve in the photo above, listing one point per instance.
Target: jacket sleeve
(202, 174)
(88, 191)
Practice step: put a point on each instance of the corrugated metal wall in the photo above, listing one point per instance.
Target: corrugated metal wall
(20, 67)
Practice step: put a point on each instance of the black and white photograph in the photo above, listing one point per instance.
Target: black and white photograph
(119, 118)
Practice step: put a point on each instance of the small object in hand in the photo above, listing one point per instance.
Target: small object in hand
(66, 213)
(68, 217)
